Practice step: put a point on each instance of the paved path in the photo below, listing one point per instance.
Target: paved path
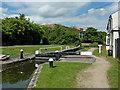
(94, 76)
(78, 58)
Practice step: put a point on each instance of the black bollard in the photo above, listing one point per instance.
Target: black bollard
(45, 48)
(110, 53)
(57, 55)
(51, 62)
(21, 54)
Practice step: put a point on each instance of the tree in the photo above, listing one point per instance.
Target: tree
(62, 35)
(92, 35)
(19, 31)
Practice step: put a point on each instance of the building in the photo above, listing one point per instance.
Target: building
(80, 31)
(113, 34)
(50, 25)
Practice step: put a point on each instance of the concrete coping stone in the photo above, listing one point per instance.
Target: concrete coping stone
(34, 79)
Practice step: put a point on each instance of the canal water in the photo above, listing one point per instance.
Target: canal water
(18, 76)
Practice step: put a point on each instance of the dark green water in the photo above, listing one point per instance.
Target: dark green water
(18, 76)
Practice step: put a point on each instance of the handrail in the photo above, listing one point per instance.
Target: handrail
(50, 47)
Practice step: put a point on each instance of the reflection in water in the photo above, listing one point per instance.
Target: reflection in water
(18, 76)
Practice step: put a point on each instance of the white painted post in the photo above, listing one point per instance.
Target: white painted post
(37, 52)
(67, 47)
(100, 48)
(21, 54)
(56, 51)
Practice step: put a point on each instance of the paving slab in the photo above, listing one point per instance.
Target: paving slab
(78, 58)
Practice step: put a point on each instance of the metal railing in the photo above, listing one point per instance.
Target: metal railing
(49, 48)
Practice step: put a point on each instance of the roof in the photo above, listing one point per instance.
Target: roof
(80, 29)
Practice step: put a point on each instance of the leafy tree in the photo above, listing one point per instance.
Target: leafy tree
(62, 35)
(92, 35)
(19, 31)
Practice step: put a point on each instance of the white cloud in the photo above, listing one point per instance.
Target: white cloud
(49, 11)
(15, 4)
(3, 9)
(112, 8)
(61, 0)
(60, 13)
(103, 11)
(47, 0)
(9, 16)
(100, 11)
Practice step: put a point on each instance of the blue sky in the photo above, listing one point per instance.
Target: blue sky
(79, 14)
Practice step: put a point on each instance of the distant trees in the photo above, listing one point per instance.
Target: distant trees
(92, 35)
(19, 31)
(62, 35)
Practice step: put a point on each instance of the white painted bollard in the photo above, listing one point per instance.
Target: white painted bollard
(51, 62)
(21, 54)
(37, 52)
(67, 47)
(56, 51)
(100, 48)
(36, 65)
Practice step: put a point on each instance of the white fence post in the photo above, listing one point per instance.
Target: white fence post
(100, 48)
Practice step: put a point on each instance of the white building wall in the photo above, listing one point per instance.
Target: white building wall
(115, 33)
(111, 41)
(115, 21)
(107, 43)
(115, 36)
(106, 40)
(113, 27)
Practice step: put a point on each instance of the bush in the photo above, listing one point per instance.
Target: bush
(19, 31)
(94, 43)
(62, 35)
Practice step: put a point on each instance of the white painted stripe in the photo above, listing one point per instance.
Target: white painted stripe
(86, 53)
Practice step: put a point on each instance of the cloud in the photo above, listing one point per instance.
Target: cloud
(61, 13)
(15, 4)
(103, 11)
(3, 9)
(100, 11)
(49, 11)
(8, 16)
(61, 0)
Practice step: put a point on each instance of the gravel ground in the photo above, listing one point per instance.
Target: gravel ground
(94, 76)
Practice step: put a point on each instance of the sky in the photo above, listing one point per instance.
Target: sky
(78, 14)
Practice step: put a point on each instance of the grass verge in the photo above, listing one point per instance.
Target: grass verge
(96, 52)
(86, 49)
(28, 49)
(62, 76)
(113, 72)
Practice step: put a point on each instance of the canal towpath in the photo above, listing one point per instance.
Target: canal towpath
(94, 76)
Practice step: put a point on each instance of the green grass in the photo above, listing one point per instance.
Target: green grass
(62, 76)
(112, 73)
(86, 49)
(96, 52)
(85, 44)
(28, 49)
